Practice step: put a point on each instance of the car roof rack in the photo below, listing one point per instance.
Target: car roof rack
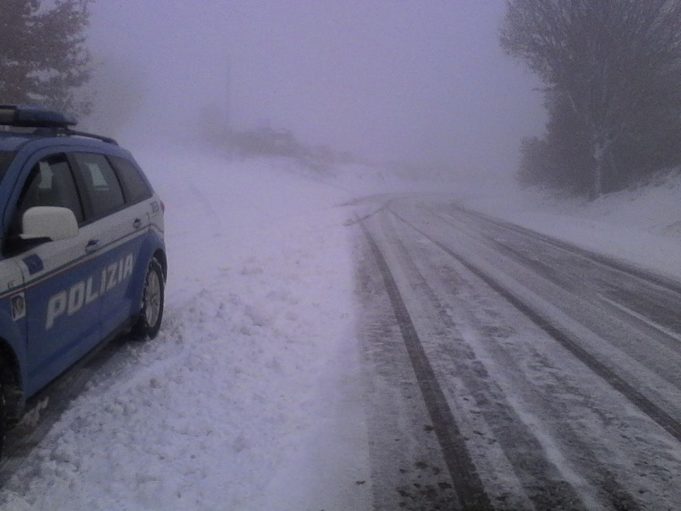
(68, 132)
(44, 121)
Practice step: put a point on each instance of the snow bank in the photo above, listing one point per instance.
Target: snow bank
(641, 226)
(228, 408)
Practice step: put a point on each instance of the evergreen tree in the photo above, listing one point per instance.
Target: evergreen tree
(43, 58)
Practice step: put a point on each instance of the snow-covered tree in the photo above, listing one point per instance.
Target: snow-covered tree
(616, 64)
(43, 58)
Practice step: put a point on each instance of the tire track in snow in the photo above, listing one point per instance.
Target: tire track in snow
(628, 307)
(463, 471)
(545, 486)
(609, 262)
(647, 294)
(638, 399)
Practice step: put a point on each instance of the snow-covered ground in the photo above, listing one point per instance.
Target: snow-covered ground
(249, 398)
(224, 409)
(641, 226)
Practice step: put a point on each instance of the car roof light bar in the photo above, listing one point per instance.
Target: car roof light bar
(29, 116)
(44, 121)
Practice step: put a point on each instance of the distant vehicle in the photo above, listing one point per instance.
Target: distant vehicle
(82, 253)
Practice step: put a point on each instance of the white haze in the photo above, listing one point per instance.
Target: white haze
(418, 82)
(254, 395)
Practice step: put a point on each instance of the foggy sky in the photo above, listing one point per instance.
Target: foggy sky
(421, 81)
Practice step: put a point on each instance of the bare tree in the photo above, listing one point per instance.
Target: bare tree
(43, 58)
(615, 63)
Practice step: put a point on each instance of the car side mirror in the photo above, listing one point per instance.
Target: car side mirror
(48, 222)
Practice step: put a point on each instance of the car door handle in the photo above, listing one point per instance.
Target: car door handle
(92, 246)
(137, 223)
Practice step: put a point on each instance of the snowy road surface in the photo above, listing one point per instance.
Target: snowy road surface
(511, 371)
(321, 351)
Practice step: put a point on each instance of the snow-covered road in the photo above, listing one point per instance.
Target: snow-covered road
(548, 375)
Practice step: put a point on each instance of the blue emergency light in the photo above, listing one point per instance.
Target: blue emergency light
(29, 116)
(42, 119)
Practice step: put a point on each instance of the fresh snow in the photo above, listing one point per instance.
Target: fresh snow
(251, 398)
(238, 403)
(641, 226)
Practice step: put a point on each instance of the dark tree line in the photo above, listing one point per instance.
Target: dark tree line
(43, 58)
(612, 71)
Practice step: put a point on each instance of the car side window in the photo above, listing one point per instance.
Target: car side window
(135, 187)
(100, 184)
(50, 183)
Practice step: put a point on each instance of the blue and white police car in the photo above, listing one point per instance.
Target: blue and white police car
(82, 255)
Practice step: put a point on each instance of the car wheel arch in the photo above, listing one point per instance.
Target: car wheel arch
(11, 382)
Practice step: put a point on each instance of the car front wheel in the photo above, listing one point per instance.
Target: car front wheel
(151, 314)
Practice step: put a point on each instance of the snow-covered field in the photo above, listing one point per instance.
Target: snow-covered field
(223, 409)
(249, 398)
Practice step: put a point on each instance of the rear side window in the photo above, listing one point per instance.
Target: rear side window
(134, 185)
(101, 187)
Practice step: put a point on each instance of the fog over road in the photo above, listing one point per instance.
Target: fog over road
(508, 370)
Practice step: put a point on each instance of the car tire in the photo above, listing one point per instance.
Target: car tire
(3, 416)
(149, 320)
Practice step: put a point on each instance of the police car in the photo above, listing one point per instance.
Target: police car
(83, 258)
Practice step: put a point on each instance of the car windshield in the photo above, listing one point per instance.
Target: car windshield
(6, 158)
